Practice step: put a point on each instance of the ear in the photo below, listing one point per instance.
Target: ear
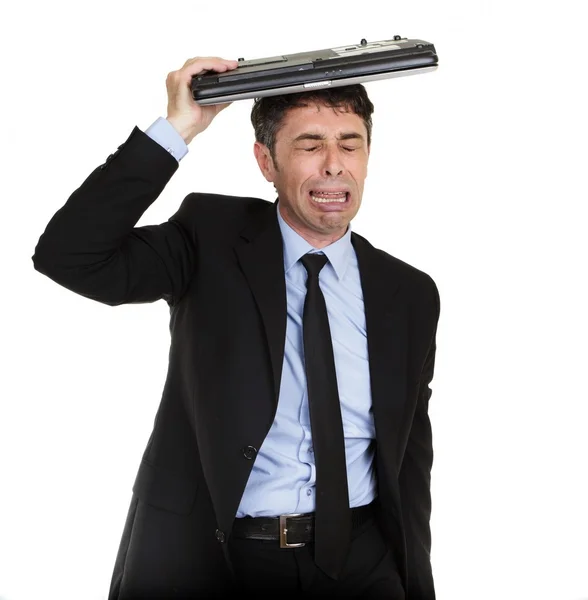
(264, 160)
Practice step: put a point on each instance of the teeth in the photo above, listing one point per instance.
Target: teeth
(334, 197)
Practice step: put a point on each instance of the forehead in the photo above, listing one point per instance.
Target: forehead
(320, 119)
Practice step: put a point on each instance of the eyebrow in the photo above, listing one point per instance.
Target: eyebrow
(350, 135)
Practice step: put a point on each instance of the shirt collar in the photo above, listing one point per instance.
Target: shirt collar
(295, 247)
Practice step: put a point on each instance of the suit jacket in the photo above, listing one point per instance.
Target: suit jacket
(218, 263)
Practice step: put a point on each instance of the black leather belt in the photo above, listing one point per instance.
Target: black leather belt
(292, 530)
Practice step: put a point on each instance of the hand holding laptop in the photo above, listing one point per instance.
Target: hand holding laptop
(187, 116)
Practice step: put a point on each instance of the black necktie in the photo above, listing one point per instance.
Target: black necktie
(332, 513)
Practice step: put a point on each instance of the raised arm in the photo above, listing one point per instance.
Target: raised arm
(91, 245)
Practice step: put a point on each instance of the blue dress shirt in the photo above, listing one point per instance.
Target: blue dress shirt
(283, 477)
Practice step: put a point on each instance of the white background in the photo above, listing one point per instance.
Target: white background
(477, 177)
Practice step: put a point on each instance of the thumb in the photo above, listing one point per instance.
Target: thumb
(220, 107)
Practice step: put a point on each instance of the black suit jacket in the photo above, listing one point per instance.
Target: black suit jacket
(218, 263)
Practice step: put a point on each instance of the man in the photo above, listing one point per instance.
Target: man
(254, 357)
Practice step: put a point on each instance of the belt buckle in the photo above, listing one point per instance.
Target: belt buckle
(284, 531)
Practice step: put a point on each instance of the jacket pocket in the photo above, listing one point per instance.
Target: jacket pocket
(166, 490)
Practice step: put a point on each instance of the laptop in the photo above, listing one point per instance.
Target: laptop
(318, 69)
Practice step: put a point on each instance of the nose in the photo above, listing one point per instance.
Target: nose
(333, 165)
(334, 172)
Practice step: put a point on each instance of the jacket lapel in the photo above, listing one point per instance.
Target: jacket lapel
(387, 331)
(262, 260)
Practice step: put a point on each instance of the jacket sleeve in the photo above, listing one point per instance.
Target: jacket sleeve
(91, 247)
(415, 483)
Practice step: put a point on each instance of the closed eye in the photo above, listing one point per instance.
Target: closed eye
(344, 148)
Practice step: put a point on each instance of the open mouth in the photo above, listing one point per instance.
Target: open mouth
(330, 199)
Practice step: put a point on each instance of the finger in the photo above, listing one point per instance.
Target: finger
(201, 67)
(211, 63)
(220, 107)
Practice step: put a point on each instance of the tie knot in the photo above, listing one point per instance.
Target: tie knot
(314, 263)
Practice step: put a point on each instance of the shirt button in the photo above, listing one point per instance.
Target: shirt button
(308, 492)
(249, 452)
(311, 449)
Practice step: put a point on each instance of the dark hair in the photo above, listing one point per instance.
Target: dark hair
(267, 113)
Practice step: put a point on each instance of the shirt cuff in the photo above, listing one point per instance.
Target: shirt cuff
(164, 133)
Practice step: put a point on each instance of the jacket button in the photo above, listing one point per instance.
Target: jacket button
(220, 536)
(249, 452)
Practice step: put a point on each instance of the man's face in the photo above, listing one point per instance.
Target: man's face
(318, 150)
